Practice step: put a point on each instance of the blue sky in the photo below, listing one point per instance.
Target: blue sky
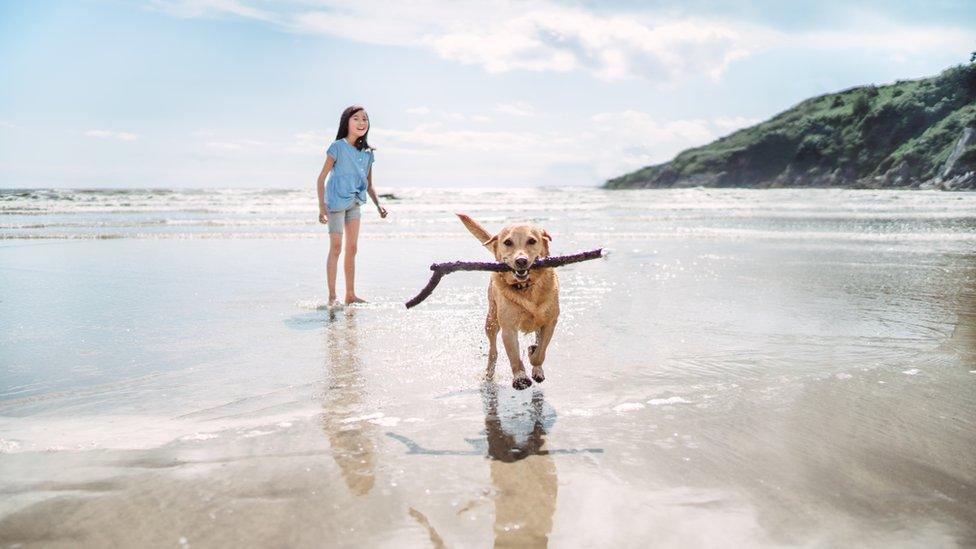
(241, 93)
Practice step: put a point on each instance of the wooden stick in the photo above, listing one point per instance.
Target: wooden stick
(441, 269)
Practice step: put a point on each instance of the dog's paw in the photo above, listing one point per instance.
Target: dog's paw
(538, 375)
(521, 383)
(532, 349)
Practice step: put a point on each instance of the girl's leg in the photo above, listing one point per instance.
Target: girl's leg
(352, 238)
(332, 265)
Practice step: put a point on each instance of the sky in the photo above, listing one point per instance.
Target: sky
(248, 93)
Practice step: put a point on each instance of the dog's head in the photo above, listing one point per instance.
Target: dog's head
(517, 246)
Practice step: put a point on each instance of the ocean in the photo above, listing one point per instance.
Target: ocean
(743, 368)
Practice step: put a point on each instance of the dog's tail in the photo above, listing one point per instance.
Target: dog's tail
(477, 230)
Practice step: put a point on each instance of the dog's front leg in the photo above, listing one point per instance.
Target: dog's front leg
(510, 339)
(491, 330)
(537, 352)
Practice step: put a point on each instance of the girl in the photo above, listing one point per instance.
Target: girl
(350, 159)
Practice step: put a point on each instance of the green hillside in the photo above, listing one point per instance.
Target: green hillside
(910, 134)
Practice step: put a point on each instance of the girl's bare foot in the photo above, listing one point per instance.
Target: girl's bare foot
(354, 299)
(334, 303)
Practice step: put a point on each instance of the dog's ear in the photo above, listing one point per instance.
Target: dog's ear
(546, 239)
(476, 229)
(491, 243)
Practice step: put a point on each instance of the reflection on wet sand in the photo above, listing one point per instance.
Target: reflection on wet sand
(522, 469)
(351, 441)
(523, 472)
(963, 338)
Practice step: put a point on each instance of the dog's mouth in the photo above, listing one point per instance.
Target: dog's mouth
(522, 275)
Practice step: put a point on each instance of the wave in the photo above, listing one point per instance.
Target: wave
(873, 216)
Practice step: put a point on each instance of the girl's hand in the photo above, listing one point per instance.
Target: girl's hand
(323, 217)
(382, 211)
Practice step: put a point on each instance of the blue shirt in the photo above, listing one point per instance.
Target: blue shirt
(347, 180)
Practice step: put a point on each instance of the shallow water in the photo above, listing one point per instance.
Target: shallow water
(771, 368)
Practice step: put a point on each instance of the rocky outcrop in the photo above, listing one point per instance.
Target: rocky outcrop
(912, 134)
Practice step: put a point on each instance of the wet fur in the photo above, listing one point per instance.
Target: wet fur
(510, 310)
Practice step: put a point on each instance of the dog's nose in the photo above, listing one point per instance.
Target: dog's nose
(521, 263)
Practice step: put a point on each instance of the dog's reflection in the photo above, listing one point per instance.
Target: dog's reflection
(523, 473)
(351, 440)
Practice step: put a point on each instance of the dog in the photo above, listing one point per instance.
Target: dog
(523, 299)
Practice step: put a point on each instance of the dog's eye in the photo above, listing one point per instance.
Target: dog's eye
(531, 241)
(508, 242)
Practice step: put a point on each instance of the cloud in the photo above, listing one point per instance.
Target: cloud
(883, 37)
(302, 143)
(436, 151)
(541, 35)
(519, 108)
(507, 36)
(207, 8)
(238, 144)
(639, 126)
(448, 115)
(612, 143)
(729, 123)
(105, 134)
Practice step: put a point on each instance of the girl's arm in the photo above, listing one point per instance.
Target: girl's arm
(372, 193)
(320, 185)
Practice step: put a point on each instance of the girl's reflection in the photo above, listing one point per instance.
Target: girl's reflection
(963, 338)
(351, 439)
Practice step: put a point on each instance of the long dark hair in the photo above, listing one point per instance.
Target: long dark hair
(344, 127)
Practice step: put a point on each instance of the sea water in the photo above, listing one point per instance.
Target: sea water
(745, 367)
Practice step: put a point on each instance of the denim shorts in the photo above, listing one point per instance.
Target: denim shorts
(338, 219)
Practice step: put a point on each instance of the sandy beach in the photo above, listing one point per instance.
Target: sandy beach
(745, 368)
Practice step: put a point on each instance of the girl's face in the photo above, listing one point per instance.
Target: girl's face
(358, 125)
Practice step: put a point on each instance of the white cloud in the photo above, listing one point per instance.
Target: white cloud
(223, 145)
(503, 36)
(204, 8)
(448, 115)
(519, 108)
(302, 143)
(882, 36)
(731, 123)
(610, 47)
(5, 124)
(106, 134)
(582, 149)
(634, 125)
(435, 136)
(541, 35)
(238, 144)
(611, 144)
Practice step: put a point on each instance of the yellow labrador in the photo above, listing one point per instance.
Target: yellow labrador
(522, 299)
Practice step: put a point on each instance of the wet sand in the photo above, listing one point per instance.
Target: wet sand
(701, 391)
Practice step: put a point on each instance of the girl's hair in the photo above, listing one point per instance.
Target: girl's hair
(344, 127)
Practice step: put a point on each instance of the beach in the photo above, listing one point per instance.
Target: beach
(743, 368)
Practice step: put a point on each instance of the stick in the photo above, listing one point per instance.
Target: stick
(441, 269)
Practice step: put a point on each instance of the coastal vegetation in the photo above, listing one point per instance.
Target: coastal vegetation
(909, 134)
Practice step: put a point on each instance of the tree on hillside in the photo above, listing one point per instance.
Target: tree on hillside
(861, 106)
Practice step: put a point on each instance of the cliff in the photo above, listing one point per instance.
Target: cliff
(910, 134)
